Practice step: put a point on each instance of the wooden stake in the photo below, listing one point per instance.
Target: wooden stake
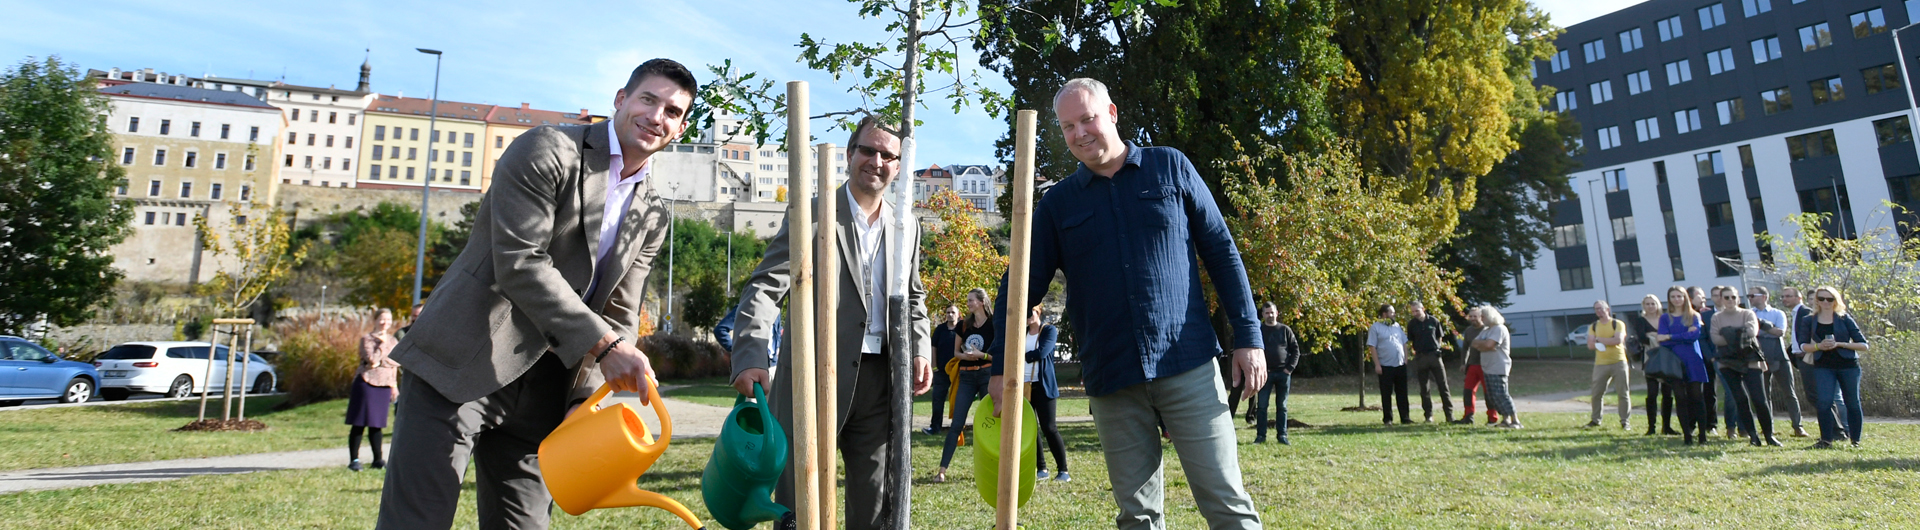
(806, 437)
(826, 300)
(1013, 378)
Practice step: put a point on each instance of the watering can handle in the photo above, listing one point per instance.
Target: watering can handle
(659, 408)
(589, 405)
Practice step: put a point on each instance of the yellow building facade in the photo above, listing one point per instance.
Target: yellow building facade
(398, 140)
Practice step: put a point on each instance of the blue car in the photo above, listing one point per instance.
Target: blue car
(28, 371)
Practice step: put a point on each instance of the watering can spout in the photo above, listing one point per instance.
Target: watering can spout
(634, 496)
(758, 509)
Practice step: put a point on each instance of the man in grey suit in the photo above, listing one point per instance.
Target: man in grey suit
(863, 382)
(539, 309)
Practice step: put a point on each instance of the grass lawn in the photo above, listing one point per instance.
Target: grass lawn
(143, 431)
(1348, 472)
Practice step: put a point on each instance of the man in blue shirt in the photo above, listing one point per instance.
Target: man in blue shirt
(1130, 230)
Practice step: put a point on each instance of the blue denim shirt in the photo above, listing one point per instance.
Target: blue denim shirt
(1131, 247)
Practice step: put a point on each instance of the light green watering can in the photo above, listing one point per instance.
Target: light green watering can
(986, 452)
(746, 465)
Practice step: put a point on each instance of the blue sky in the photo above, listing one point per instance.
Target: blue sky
(557, 55)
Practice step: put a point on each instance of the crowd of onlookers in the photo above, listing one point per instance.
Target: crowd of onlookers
(1707, 356)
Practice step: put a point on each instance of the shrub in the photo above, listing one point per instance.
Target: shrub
(1890, 377)
(676, 357)
(319, 357)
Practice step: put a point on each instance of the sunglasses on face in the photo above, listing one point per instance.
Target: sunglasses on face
(869, 151)
(1824, 298)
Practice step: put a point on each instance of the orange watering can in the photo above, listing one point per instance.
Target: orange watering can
(594, 457)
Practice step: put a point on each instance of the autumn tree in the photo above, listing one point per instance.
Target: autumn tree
(58, 220)
(253, 252)
(379, 266)
(959, 257)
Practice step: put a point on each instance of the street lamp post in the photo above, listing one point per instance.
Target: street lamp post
(433, 133)
(1605, 290)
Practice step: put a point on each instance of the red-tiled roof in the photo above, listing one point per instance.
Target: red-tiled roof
(526, 116)
(421, 107)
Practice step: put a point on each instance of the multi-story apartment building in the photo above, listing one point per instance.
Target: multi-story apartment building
(504, 124)
(722, 165)
(979, 185)
(1704, 125)
(399, 139)
(317, 147)
(187, 152)
(929, 181)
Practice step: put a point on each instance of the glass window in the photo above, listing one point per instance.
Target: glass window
(133, 124)
(1623, 228)
(1686, 121)
(1630, 40)
(1646, 129)
(1722, 263)
(1615, 179)
(1609, 137)
(1566, 100)
(1731, 110)
(1575, 279)
(1680, 71)
(1776, 101)
(1670, 29)
(1712, 16)
(1868, 23)
(1879, 78)
(126, 156)
(1827, 90)
(1755, 7)
(1602, 91)
(1815, 37)
(1766, 49)
(1638, 82)
(1892, 130)
(1595, 49)
(1709, 163)
(1811, 145)
(1572, 235)
(1719, 214)
(1720, 60)
(129, 351)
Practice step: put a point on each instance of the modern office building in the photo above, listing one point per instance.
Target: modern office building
(1704, 125)
(401, 135)
(188, 152)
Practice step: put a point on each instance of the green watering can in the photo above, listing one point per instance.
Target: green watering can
(986, 452)
(747, 461)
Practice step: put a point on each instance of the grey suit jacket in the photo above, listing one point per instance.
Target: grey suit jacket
(766, 292)
(515, 292)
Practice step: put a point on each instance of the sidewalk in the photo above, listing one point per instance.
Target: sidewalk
(690, 420)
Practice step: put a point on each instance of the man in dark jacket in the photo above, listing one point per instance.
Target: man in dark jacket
(1283, 353)
(1424, 335)
(942, 352)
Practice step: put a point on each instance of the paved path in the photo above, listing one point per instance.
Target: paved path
(690, 420)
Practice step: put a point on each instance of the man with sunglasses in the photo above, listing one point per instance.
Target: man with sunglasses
(864, 382)
(1773, 349)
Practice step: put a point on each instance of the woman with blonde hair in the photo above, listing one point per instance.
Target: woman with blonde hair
(1680, 329)
(1496, 362)
(1659, 391)
(1833, 344)
(375, 385)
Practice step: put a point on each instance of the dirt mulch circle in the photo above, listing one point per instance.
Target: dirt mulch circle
(223, 426)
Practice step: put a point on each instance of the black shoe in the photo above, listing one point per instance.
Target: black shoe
(1823, 444)
(1594, 423)
(1669, 432)
(1688, 440)
(378, 464)
(930, 431)
(1406, 422)
(1651, 432)
(1285, 441)
(1770, 440)
(1259, 439)
(1463, 421)
(354, 465)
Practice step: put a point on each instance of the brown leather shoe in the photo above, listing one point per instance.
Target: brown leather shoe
(1799, 432)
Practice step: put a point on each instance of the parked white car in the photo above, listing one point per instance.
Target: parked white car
(1578, 337)
(176, 369)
